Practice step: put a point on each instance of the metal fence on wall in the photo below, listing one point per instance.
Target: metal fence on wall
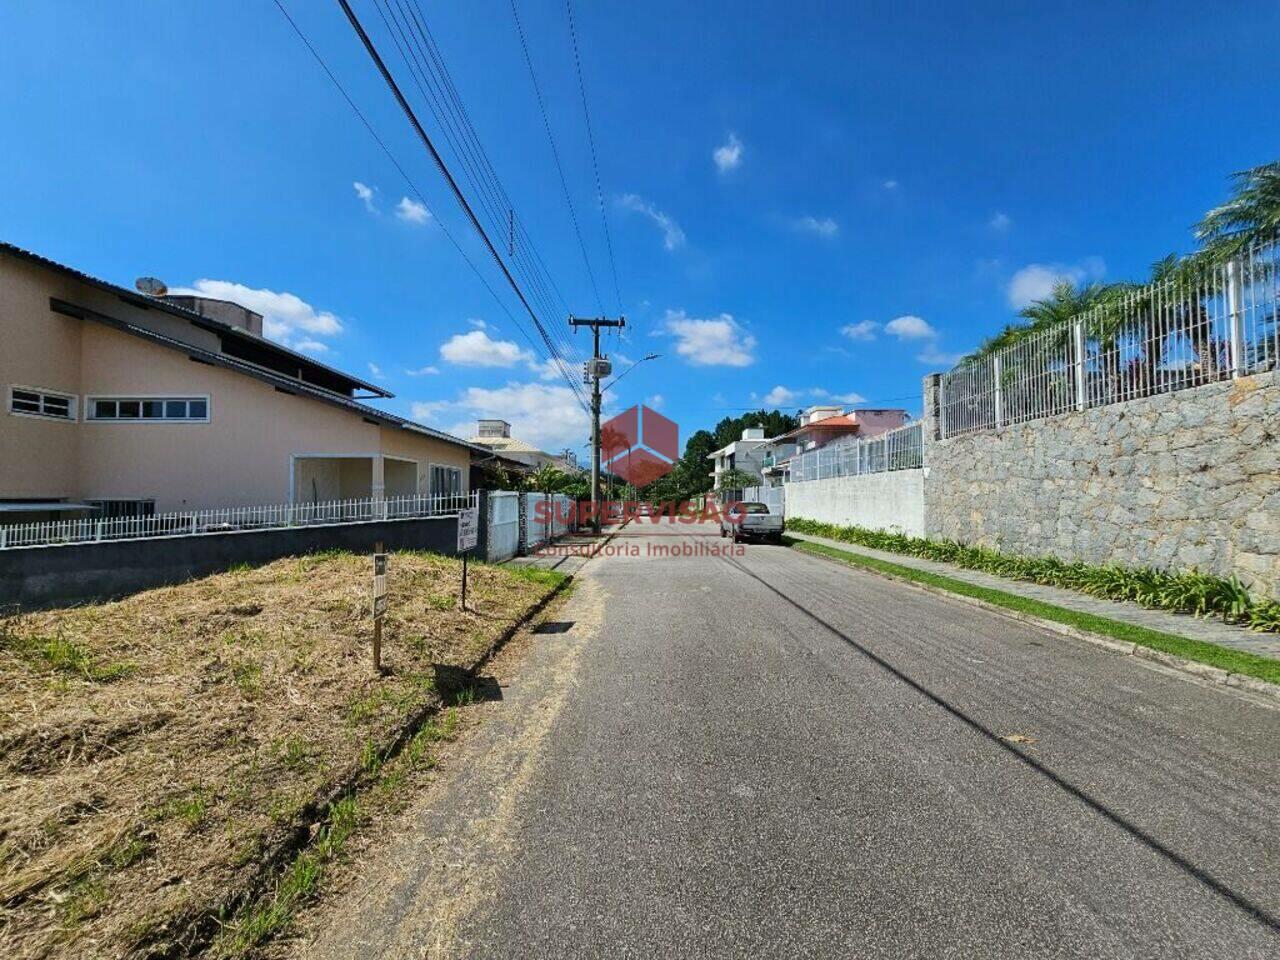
(504, 525)
(900, 449)
(1215, 324)
(546, 523)
(773, 497)
(231, 520)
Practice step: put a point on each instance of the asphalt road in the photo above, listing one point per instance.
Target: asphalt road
(771, 755)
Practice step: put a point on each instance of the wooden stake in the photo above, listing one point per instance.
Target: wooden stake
(377, 625)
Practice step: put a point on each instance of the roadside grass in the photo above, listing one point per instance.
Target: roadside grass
(1179, 591)
(302, 881)
(1233, 661)
(184, 733)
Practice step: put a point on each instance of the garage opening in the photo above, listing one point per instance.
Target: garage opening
(321, 479)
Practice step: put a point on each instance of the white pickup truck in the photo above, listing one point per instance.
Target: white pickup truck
(751, 521)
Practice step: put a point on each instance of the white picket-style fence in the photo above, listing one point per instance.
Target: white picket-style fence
(231, 520)
(1193, 329)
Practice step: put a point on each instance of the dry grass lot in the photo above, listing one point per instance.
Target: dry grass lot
(153, 750)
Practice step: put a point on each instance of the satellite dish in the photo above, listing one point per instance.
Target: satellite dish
(151, 286)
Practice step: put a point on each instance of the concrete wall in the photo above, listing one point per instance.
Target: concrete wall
(1179, 480)
(48, 576)
(881, 501)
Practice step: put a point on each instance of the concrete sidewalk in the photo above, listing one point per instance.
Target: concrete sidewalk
(1210, 631)
(569, 553)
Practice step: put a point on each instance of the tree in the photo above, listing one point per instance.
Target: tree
(1251, 216)
(736, 479)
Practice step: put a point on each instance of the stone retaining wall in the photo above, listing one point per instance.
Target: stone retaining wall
(1180, 480)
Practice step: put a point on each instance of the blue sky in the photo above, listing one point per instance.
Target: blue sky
(807, 200)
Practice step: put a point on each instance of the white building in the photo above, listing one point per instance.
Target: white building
(746, 454)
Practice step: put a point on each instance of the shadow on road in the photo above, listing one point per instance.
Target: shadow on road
(1255, 911)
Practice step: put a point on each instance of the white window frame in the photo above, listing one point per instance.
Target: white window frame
(91, 399)
(73, 403)
(431, 480)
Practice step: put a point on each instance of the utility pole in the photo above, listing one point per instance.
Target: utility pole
(596, 368)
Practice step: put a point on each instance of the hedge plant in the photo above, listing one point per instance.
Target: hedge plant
(1193, 592)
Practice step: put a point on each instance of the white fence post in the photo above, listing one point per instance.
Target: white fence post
(1081, 374)
(1235, 316)
(999, 389)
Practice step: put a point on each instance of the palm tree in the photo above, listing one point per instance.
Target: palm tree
(1251, 216)
(1055, 350)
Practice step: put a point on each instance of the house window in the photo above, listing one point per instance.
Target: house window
(445, 481)
(113, 509)
(186, 409)
(37, 402)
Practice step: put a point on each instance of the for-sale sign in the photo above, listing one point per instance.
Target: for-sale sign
(379, 585)
(468, 528)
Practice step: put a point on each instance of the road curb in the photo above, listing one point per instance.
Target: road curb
(1193, 668)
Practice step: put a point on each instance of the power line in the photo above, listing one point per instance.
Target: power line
(407, 179)
(555, 153)
(473, 165)
(451, 111)
(595, 163)
(449, 179)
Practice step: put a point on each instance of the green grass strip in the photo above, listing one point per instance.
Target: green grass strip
(1233, 661)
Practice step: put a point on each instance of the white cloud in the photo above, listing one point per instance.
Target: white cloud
(477, 323)
(286, 317)
(655, 402)
(910, 328)
(551, 369)
(717, 341)
(862, 330)
(365, 193)
(846, 398)
(824, 227)
(411, 211)
(849, 398)
(427, 371)
(728, 156)
(1000, 222)
(550, 417)
(424, 410)
(779, 396)
(478, 349)
(1035, 281)
(935, 357)
(375, 370)
(672, 236)
(891, 184)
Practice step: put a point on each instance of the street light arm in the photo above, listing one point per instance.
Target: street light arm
(611, 383)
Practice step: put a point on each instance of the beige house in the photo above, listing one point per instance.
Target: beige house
(118, 404)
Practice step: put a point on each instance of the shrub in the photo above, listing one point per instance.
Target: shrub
(1193, 592)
